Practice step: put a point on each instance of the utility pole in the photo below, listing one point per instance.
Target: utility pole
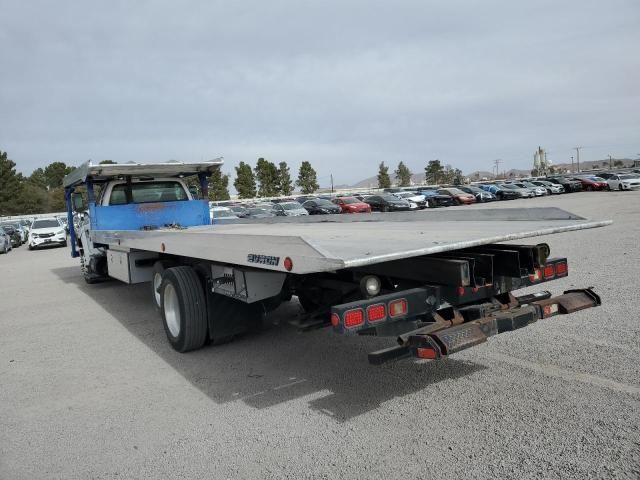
(496, 163)
(332, 183)
(610, 163)
(572, 164)
(578, 156)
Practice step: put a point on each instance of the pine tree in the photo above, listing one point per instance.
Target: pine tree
(285, 183)
(267, 176)
(307, 178)
(433, 172)
(403, 175)
(55, 172)
(33, 199)
(383, 176)
(55, 200)
(38, 179)
(10, 185)
(245, 182)
(218, 185)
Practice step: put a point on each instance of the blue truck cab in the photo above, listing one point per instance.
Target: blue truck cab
(132, 196)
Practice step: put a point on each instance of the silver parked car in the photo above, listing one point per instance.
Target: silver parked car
(289, 209)
(539, 190)
(5, 242)
(521, 192)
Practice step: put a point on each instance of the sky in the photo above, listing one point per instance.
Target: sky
(342, 84)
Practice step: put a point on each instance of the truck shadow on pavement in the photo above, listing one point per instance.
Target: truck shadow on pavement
(280, 363)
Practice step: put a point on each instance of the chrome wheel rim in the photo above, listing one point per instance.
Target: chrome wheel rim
(157, 280)
(172, 310)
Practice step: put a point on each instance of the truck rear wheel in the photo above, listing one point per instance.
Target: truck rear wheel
(184, 308)
(156, 281)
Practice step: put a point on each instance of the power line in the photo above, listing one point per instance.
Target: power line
(496, 164)
(578, 156)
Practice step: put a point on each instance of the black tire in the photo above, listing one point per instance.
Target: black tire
(589, 188)
(158, 269)
(608, 187)
(184, 305)
(384, 208)
(30, 247)
(620, 186)
(64, 244)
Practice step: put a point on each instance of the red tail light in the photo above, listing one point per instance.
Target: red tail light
(461, 291)
(549, 271)
(354, 318)
(427, 353)
(536, 276)
(398, 308)
(335, 319)
(561, 268)
(377, 312)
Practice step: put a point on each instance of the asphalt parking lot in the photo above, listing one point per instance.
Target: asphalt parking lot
(90, 388)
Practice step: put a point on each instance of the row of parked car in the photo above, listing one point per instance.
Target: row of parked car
(420, 197)
(36, 233)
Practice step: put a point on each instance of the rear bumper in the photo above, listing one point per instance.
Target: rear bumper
(361, 210)
(474, 325)
(470, 302)
(442, 203)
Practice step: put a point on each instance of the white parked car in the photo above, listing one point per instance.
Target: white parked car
(45, 232)
(221, 213)
(419, 200)
(550, 186)
(624, 181)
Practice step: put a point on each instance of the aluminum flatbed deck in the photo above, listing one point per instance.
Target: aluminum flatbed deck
(319, 244)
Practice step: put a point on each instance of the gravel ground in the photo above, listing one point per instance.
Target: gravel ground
(89, 387)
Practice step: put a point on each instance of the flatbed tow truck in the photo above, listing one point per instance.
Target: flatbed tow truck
(437, 281)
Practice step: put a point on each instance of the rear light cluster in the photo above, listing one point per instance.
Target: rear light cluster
(378, 312)
(462, 291)
(554, 269)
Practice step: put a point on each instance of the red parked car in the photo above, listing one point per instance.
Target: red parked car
(592, 183)
(352, 205)
(460, 197)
